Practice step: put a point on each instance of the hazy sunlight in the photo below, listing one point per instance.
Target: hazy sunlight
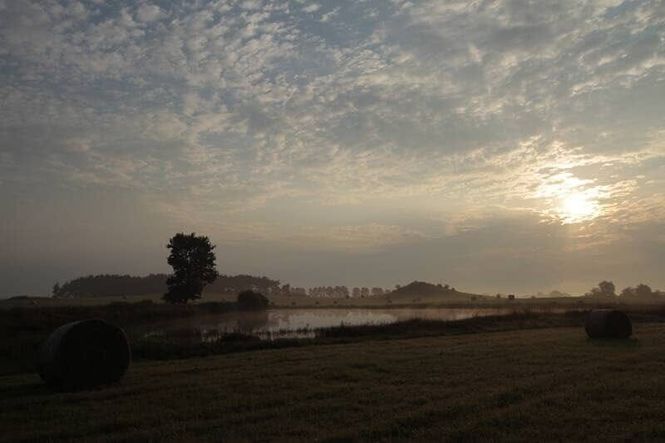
(578, 207)
(571, 199)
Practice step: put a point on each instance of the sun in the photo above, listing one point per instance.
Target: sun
(578, 207)
(570, 199)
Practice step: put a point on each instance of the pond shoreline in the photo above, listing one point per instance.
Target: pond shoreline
(22, 330)
(275, 323)
(408, 329)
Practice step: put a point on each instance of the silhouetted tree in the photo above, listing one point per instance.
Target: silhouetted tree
(643, 290)
(110, 285)
(628, 292)
(640, 290)
(56, 290)
(193, 262)
(250, 300)
(605, 288)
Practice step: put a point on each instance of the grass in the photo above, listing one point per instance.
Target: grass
(164, 348)
(523, 385)
(23, 329)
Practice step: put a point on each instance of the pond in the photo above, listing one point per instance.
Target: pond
(301, 323)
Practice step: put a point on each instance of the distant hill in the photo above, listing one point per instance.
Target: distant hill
(19, 297)
(126, 285)
(551, 294)
(22, 300)
(422, 289)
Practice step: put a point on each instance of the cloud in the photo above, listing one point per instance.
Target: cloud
(238, 110)
(148, 13)
(312, 7)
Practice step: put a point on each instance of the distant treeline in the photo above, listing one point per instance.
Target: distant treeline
(127, 285)
(608, 289)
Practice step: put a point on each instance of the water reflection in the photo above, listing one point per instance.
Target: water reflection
(301, 323)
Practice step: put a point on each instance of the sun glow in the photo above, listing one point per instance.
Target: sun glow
(570, 199)
(578, 207)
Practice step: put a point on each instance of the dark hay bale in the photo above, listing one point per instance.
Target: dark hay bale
(608, 323)
(84, 354)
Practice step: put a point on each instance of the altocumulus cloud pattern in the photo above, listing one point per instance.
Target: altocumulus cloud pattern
(384, 139)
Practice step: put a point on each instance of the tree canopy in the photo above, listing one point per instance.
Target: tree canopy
(113, 285)
(192, 258)
(604, 288)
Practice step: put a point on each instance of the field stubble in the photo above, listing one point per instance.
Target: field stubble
(552, 384)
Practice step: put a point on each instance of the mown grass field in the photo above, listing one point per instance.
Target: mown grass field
(523, 385)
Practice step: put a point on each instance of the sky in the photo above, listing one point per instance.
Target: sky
(498, 146)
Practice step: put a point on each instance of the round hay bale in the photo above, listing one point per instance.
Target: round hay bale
(84, 354)
(608, 323)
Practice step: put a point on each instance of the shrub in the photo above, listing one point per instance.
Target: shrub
(252, 301)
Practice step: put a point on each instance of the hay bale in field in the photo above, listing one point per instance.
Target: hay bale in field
(84, 354)
(608, 323)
